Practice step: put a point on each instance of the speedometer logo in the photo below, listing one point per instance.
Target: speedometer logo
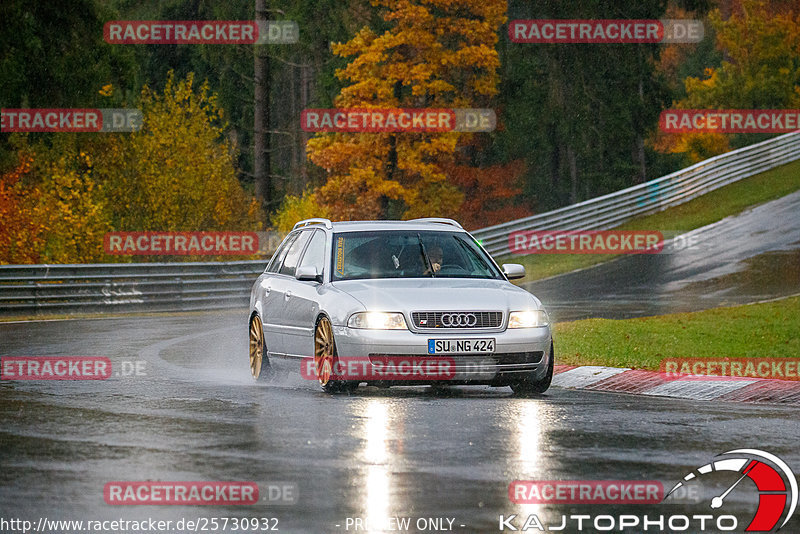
(776, 484)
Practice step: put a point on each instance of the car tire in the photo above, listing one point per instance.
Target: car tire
(260, 368)
(326, 357)
(532, 386)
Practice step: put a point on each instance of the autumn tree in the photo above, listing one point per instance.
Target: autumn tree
(60, 213)
(73, 208)
(53, 56)
(490, 193)
(176, 173)
(433, 54)
(21, 234)
(579, 114)
(760, 42)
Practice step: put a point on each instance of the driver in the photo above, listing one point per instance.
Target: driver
(436, 257)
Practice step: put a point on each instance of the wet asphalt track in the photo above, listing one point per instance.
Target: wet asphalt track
(197, 415)
(408, 452)
(747, 258)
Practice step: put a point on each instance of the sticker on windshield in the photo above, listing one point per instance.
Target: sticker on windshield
(340, 256)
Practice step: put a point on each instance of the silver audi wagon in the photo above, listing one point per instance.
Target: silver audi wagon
(410, 302)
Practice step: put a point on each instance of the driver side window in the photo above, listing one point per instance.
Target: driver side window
(293, 254)
(315, 252)
(276, 262)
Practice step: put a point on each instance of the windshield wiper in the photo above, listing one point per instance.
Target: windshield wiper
(425, 255)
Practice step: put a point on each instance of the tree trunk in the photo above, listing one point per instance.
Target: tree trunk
(294, 132)
(261, 121)
(573, 174)
(305, 82)
(555, 159)
(640, 143)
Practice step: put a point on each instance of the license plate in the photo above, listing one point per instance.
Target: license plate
(460, 346)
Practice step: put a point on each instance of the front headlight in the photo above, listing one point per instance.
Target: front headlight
(378, 321)
(528, 319)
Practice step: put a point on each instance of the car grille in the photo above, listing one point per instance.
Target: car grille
(483, 319)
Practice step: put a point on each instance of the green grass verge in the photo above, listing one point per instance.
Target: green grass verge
(765, 330)
(704, 210)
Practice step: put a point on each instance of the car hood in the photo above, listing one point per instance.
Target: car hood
(438, 294)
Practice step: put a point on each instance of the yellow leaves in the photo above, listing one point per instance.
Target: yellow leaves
(700, 146)
(436, 53)
(20, 233)
(176, 174)
(760, 42)
(106, 90)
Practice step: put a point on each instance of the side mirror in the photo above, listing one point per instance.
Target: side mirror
(308, 273)
(513, 270)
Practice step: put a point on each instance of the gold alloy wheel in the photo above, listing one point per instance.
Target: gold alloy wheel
(324, 351)
(256, 347)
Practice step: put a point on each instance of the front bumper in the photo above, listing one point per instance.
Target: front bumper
(518, 352)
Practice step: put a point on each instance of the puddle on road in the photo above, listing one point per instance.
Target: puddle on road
(769, 275)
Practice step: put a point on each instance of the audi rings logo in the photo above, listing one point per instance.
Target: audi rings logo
(453, 320)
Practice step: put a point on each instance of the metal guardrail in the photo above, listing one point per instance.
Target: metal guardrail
(611, 210)
(138, 287)
(125, 287)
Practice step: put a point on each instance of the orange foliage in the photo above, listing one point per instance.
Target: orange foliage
(489, 193)
(760, 41)
(21, 236)
(177, 173)
(673, 55)
(437, 54)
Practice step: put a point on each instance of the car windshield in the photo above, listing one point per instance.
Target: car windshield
(409, 254)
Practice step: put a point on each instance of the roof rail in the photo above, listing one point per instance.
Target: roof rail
(326, 222)
(441, 220)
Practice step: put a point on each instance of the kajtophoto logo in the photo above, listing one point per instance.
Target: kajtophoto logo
(772, 488)
(775, 482)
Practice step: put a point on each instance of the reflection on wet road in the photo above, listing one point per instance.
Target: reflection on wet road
(741, 259)
(376, 455)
